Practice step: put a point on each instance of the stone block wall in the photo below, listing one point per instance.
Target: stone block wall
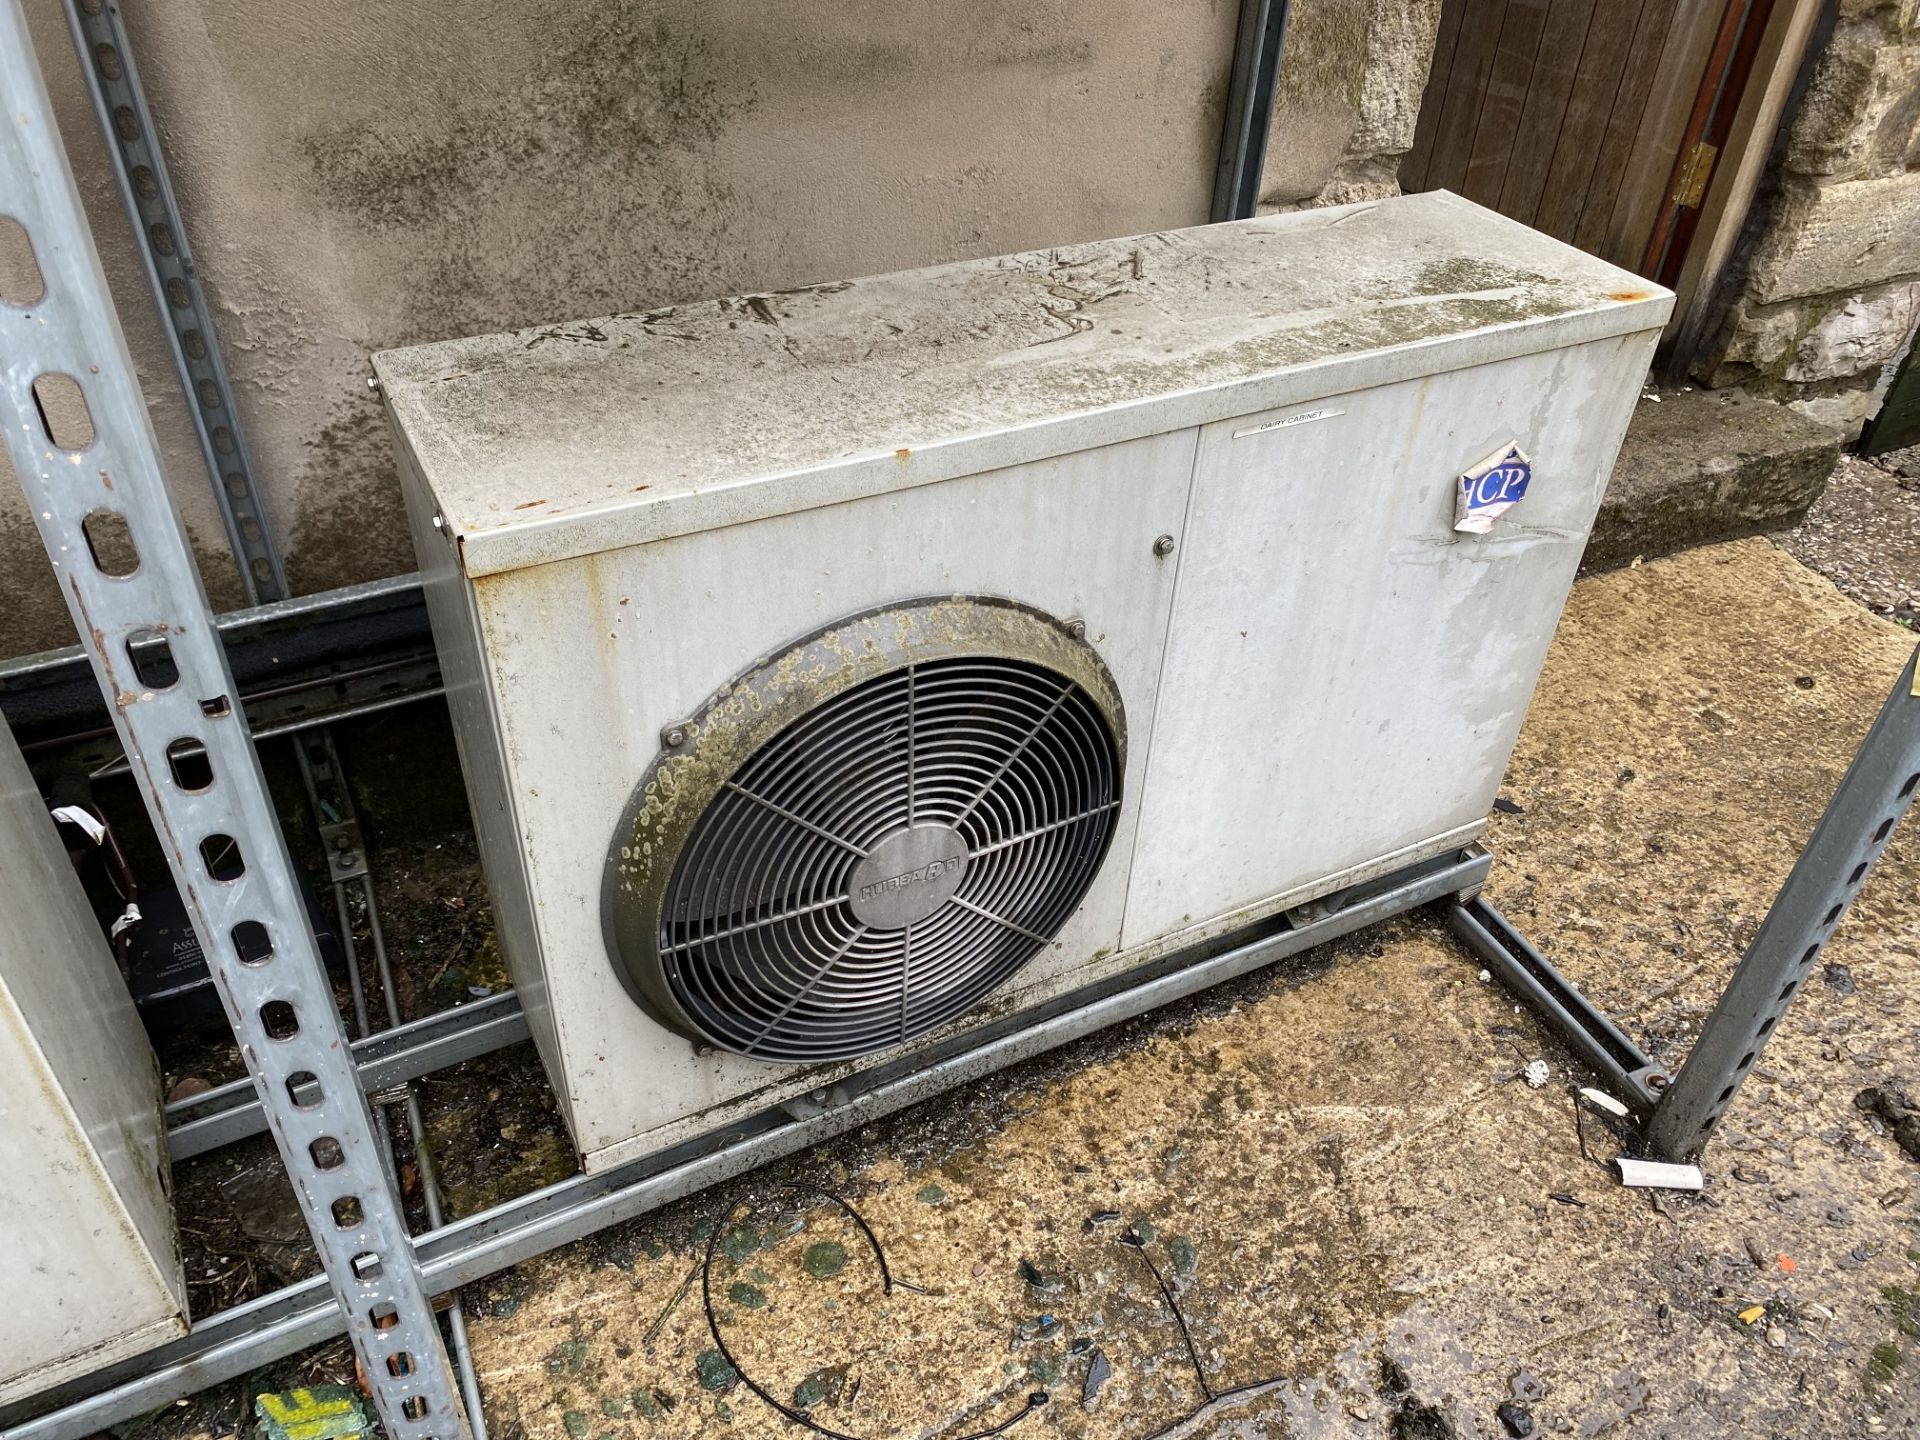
(1351, 78)
(1832, 291)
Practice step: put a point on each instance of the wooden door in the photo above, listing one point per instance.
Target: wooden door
(1565, 114)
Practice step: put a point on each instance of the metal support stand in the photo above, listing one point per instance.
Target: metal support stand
(1876, 791)
(122, 557)
(467, 1249)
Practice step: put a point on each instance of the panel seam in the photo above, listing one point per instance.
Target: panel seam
(1160, 674)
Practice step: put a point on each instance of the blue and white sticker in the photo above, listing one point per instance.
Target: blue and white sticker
(1491, 488)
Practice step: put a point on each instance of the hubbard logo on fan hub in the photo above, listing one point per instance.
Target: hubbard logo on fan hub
(907, 879)
(907, 876)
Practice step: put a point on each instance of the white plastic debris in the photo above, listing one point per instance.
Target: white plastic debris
(1536, 1073)
(75, 816)
(1603, 1101)
(1486, 977)
(1652, 1175)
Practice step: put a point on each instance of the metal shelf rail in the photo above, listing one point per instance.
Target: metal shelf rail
(107, 66)
(305, 1085)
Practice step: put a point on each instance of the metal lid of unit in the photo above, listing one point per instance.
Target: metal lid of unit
(572, 439)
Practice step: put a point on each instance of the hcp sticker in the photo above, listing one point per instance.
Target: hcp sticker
(1491, 488)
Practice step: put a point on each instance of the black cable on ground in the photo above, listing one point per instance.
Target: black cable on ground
(1214, 1398)
(1034, 1401)
(1133, 1242)
(799, 1417)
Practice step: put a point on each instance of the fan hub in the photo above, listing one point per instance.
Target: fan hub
(907, 876)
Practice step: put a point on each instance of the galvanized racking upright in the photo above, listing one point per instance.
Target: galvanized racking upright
(121, 554)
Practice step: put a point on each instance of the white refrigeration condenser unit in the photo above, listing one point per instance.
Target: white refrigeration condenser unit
(840, 669)
(90, 1267)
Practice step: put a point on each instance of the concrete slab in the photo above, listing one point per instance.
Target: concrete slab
(1349, 1190)
(1705, 465)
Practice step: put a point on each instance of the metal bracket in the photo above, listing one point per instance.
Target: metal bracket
(385, 1059)
(1531, 977)
(106, 60)
(121, 554)
(346, 851)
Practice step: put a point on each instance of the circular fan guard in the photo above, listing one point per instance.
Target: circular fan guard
(887, 857)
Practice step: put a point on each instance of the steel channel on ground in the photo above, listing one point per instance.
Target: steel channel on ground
(1530, 976)
(247, 1336)
(106, 61)
(122, 557)
(386, 1057)
(1877, 790)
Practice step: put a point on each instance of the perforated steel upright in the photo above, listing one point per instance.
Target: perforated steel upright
(121, 554)
(1875, 793)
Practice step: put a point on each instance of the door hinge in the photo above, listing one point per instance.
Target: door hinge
(1691, 188)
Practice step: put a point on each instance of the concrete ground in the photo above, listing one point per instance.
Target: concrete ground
(1864, 533)
(1359, 1208)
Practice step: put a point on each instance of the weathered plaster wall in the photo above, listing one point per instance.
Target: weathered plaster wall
(1832, 292)
(358, 175)
(1351, 78)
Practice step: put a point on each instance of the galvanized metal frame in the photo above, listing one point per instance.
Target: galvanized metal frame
(1878, 788)
(235, 1341)
(1253, 85)
(107, 64)
(122, 557)
(1682, 1110)
(1605, 1048)
(113, 82)
(231, 1112)
(299, 663)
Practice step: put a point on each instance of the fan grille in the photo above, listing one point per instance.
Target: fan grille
(888, 859)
